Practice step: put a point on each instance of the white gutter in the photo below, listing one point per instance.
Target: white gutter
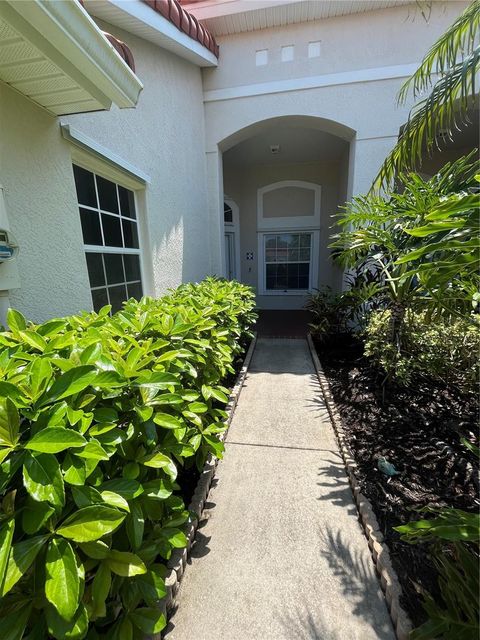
(141, 20)
(64, 32)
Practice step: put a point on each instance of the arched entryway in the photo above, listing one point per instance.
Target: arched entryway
(287, 178)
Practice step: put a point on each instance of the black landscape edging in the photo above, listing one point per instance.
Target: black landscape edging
(378, 547)
(178, 560)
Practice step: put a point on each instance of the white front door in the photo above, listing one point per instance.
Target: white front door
(230, 255)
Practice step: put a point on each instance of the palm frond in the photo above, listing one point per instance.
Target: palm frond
(457, 42)
(445, 109)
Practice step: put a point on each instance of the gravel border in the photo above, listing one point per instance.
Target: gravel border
(379, 549)
(178, 560)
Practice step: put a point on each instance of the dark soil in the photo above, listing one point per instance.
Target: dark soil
(418, 429)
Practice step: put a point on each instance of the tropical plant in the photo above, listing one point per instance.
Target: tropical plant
(441, 350)
(455, 57)
(449, 250)
(387, 237)
(98, 415)
(455, 535)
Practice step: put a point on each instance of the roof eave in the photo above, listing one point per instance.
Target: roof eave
(67, 35)
(140, 19)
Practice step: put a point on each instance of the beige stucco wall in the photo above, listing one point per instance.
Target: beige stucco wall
(35, 171)
(387, 37)
(241, 97)
(242, 184)
(163, 137)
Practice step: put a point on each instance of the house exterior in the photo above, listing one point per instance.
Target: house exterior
(148, 143)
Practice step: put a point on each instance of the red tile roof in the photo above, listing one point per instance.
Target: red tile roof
(122, 49)
(184, 21)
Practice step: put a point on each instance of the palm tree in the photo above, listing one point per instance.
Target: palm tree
(455, 56)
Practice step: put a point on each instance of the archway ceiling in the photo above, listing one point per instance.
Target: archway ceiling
(297, 144)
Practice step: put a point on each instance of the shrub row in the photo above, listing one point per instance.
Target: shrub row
(97, 415)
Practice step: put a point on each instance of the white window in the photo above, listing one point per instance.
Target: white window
(111, 239)
(288, 53)
(261, 57)
(314, 49)
(288, 262)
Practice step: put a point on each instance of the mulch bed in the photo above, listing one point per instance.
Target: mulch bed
(418, 429)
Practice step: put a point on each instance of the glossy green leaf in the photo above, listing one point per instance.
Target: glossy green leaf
(92, 450)
(62, 583)
(60, 629)
(54, 440)
(22, 555)
(128, 489)
(34, 339)
(166, 420)
(97, 550)
(159, 489)
(198, 407)
(148, 620)
(43, 479)
(6, 537)
(91, 523)
(74, 470)
(115, 500)
(13, 624)
(16, 321)
(9, 423)
(35, 515)
(156, 460)
(100, 589)
(125, 564)
(152, 584)
(70, 383)
(219, 395)
(135, 525)
(40, 375)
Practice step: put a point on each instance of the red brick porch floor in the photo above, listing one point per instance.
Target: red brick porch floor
(282, 323)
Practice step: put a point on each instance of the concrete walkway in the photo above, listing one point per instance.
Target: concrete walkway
(280, 554)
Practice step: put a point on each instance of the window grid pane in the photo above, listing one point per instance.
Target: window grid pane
(108, 217)
(287, 261)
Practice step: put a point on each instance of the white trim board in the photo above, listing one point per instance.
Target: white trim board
(138, 179)
(313, 82)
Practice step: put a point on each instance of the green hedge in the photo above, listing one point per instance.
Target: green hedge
(97, 415)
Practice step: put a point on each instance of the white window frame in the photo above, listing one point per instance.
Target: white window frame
(97, 168)
(233, 227)
(313, 274)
